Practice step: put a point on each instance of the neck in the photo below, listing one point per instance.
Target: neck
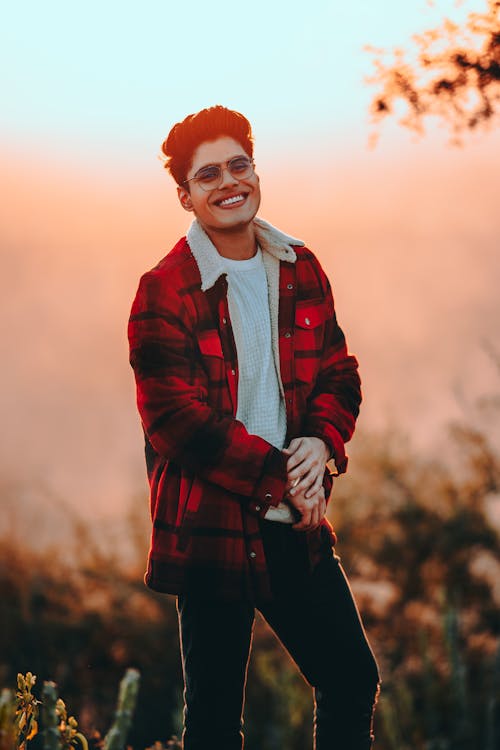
(237, 244)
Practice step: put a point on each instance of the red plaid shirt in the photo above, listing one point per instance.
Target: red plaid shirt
(210, 479)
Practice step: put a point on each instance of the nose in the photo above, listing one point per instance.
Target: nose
(227, 178)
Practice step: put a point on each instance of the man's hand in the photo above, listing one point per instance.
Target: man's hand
(306, 466)
(312, 510)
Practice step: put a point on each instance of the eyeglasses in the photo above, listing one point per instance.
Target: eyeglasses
(210, 177)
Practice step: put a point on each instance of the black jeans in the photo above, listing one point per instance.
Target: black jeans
(316, 619)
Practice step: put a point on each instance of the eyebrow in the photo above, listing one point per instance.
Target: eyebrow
(218, 163)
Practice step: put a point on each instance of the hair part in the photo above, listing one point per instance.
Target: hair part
(206, 125)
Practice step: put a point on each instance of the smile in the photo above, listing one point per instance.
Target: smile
(231, 201)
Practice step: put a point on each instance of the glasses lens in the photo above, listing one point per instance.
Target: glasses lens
(240, 167)
(208, 177)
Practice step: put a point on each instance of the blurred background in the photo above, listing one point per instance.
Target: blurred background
(407, 226)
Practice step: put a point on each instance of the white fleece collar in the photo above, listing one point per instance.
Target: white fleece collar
(210, 263)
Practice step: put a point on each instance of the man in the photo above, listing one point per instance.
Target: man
(246, 391)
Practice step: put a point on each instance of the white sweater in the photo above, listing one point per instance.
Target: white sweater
(260, 405)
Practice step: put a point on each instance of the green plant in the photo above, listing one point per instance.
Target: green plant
(8, 730)
(51, 735)
(19, 714)
(27, 711)
(127, 697)
(69, 735)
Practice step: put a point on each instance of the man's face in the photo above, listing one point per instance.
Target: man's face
(232, 205)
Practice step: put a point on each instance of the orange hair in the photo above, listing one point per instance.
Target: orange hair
(206, 125)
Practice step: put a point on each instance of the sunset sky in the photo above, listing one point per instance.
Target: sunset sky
(408, 232)
(100, 80)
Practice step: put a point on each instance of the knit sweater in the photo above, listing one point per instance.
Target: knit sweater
(260, 405)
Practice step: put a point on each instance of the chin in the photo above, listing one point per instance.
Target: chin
(238, 220)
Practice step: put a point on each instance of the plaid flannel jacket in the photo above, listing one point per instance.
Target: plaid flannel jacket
(210, 480)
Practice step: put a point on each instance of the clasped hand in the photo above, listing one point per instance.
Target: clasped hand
(307, 457)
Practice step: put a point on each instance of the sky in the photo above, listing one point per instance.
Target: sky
(408, 232)
(106, 78)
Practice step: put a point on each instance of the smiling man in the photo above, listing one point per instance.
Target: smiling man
(246, 392)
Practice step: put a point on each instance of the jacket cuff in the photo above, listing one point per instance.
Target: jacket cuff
(270, 489)
(328, 483)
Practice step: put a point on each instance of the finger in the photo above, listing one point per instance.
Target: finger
(315, 486)
(299, 444)
(322, 508)
(315, 518)
(292, 447)
(303, 524)
(300, 526)
(305, 483)
(300, 487)
(318, 510)
(296, 459)
(299, 469)
(304, 458)
(290, 485)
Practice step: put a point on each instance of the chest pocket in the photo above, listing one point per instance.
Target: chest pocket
(210, 344)
(308, 340)
(212, 360)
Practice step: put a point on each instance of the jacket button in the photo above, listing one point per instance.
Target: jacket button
(287, 335)
(289, 286)
(233, 372)
(253, 554)
(224, 320)
(268, 496)
(307, 321)
(257, 508)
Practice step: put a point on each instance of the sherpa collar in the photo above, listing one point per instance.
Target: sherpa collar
(211, 264)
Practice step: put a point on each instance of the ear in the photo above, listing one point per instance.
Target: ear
(184, 198)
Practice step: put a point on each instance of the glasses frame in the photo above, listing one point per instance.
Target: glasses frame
(222, 166)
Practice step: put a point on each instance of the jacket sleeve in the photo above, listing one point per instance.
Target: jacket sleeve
(172, 399)
(333, 405)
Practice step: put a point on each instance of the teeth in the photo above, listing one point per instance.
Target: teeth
(228, 201)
